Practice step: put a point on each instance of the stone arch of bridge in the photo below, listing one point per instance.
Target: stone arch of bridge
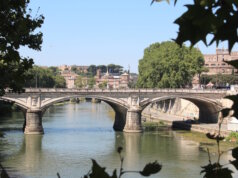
(119, 106)
(208, 108)
(19, 103)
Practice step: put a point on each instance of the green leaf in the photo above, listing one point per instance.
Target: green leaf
(234, 107)
(225, 112)
(235, 153)
(216, 171)
(119, 149)
(235, 163)
(98, 171)
(151, 168)
(214, 136)
(234, 63)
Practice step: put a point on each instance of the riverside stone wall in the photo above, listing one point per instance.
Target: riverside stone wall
(178, 107)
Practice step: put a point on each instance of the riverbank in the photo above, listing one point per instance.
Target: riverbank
(203, 142)
(178, 122)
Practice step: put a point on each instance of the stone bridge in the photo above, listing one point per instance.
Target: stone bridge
(127, 104)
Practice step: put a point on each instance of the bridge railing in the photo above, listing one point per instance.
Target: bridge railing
(143, 90)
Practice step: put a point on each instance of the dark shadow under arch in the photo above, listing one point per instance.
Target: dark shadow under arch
(208, 109)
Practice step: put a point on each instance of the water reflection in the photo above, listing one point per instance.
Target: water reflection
(32, 151)
(75, 133)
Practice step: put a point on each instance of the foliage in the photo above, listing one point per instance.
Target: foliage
(214, 18)
(59, 81)
(44, 77)
(98, 171)
(166, 65)
(92, 70)
(103, 85)
(79, 82)
(91, 82)
(112, 68)
(17, 29)
(103, 68)
(219, 80)
(74, 68)
(55, 70)
(233, 136)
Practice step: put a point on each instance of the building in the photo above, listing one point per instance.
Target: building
(64, 67)
(112, 81)
(70, 78)
(215, 62)
(81, 69)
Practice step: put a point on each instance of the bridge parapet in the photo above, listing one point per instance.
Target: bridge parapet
(67, 90)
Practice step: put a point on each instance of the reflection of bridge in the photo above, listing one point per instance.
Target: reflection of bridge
(127, 104)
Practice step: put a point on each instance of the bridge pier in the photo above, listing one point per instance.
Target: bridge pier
(33, 122)
(133, 120)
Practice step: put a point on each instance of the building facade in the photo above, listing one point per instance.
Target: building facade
(70, 78)
(112, 81)
(215, 62)
(81, 69)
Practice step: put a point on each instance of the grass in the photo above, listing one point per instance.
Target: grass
(154, 126)
(232, 137)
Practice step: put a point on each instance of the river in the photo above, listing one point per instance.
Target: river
(75, 133)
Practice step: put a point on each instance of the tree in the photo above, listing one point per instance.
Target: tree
(74, 68)
(103, 85)
(55, 70)
(103, 68)
(166, 65)
(91, 82)
(79, 82)
(219, 80)
(217, 19)
(39, 77)
(92, 70)
(112, 68)
(59, 82)
(17, 29)
(44, 77)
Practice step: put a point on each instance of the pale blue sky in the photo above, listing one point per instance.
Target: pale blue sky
(84, 32)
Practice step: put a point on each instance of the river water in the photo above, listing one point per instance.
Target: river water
(75, 133)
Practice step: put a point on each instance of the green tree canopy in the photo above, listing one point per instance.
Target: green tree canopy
(44, 77)
(113, 68)
(59, 81)
(92, 70)
(166, 65)
(17, 29)
(219, 80)
(79, 82)
(103, 68)
(91, 82)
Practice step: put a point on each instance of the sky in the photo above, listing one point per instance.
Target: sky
(84, 32)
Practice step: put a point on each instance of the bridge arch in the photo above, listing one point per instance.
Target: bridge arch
(119, 106)
(208, 108)
(21, 104)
